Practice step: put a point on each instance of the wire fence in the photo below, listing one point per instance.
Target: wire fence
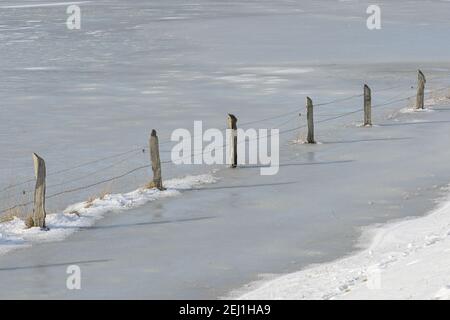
(125, 156)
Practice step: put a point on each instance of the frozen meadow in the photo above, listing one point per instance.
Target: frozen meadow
(86, 100)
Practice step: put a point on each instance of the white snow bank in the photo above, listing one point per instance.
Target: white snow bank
(431, 102)
(13, 234)
(409, 259)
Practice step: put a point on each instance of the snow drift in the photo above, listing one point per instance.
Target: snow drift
(13, 234)
(408, 259)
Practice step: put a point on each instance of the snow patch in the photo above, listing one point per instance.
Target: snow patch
(303, 141)
(405, 260)
(414, 110)
(13, 234)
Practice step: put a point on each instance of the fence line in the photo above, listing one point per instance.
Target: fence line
(317, 105)
(389, 102)
(143, 149)
(80, 188)
(30, 190)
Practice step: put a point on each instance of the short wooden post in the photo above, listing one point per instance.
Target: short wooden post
(39, 192)
(232, 126)
(156, 162)
(420, 90)
(310, 119)
(367, 106)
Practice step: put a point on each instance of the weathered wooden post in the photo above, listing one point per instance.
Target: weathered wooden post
(39, 192)
(232, 126)
(310, 119)
(156, 162)
(420, 90)
(367, 106)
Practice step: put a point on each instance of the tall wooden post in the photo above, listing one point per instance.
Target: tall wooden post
(39, 192)
(310, 119)
(156, 162)
(232, 126)
(367, 106)
(420, 90)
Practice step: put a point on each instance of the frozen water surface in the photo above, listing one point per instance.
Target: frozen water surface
(77, 96)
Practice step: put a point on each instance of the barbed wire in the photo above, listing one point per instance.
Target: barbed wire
(72, 168)
(79, 188)
(99, 182)
(296, 110)
(390, 101)
(144, 148)
(359, 110)
(28, 191)
(129, 172)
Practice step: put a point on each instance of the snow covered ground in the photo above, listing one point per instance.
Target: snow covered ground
(405, 260)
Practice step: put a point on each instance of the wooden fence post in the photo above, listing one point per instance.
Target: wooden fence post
(310, 119)
(420, 90)
(156, 162)
(367, 106)
(232, 126)
(39, 192)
